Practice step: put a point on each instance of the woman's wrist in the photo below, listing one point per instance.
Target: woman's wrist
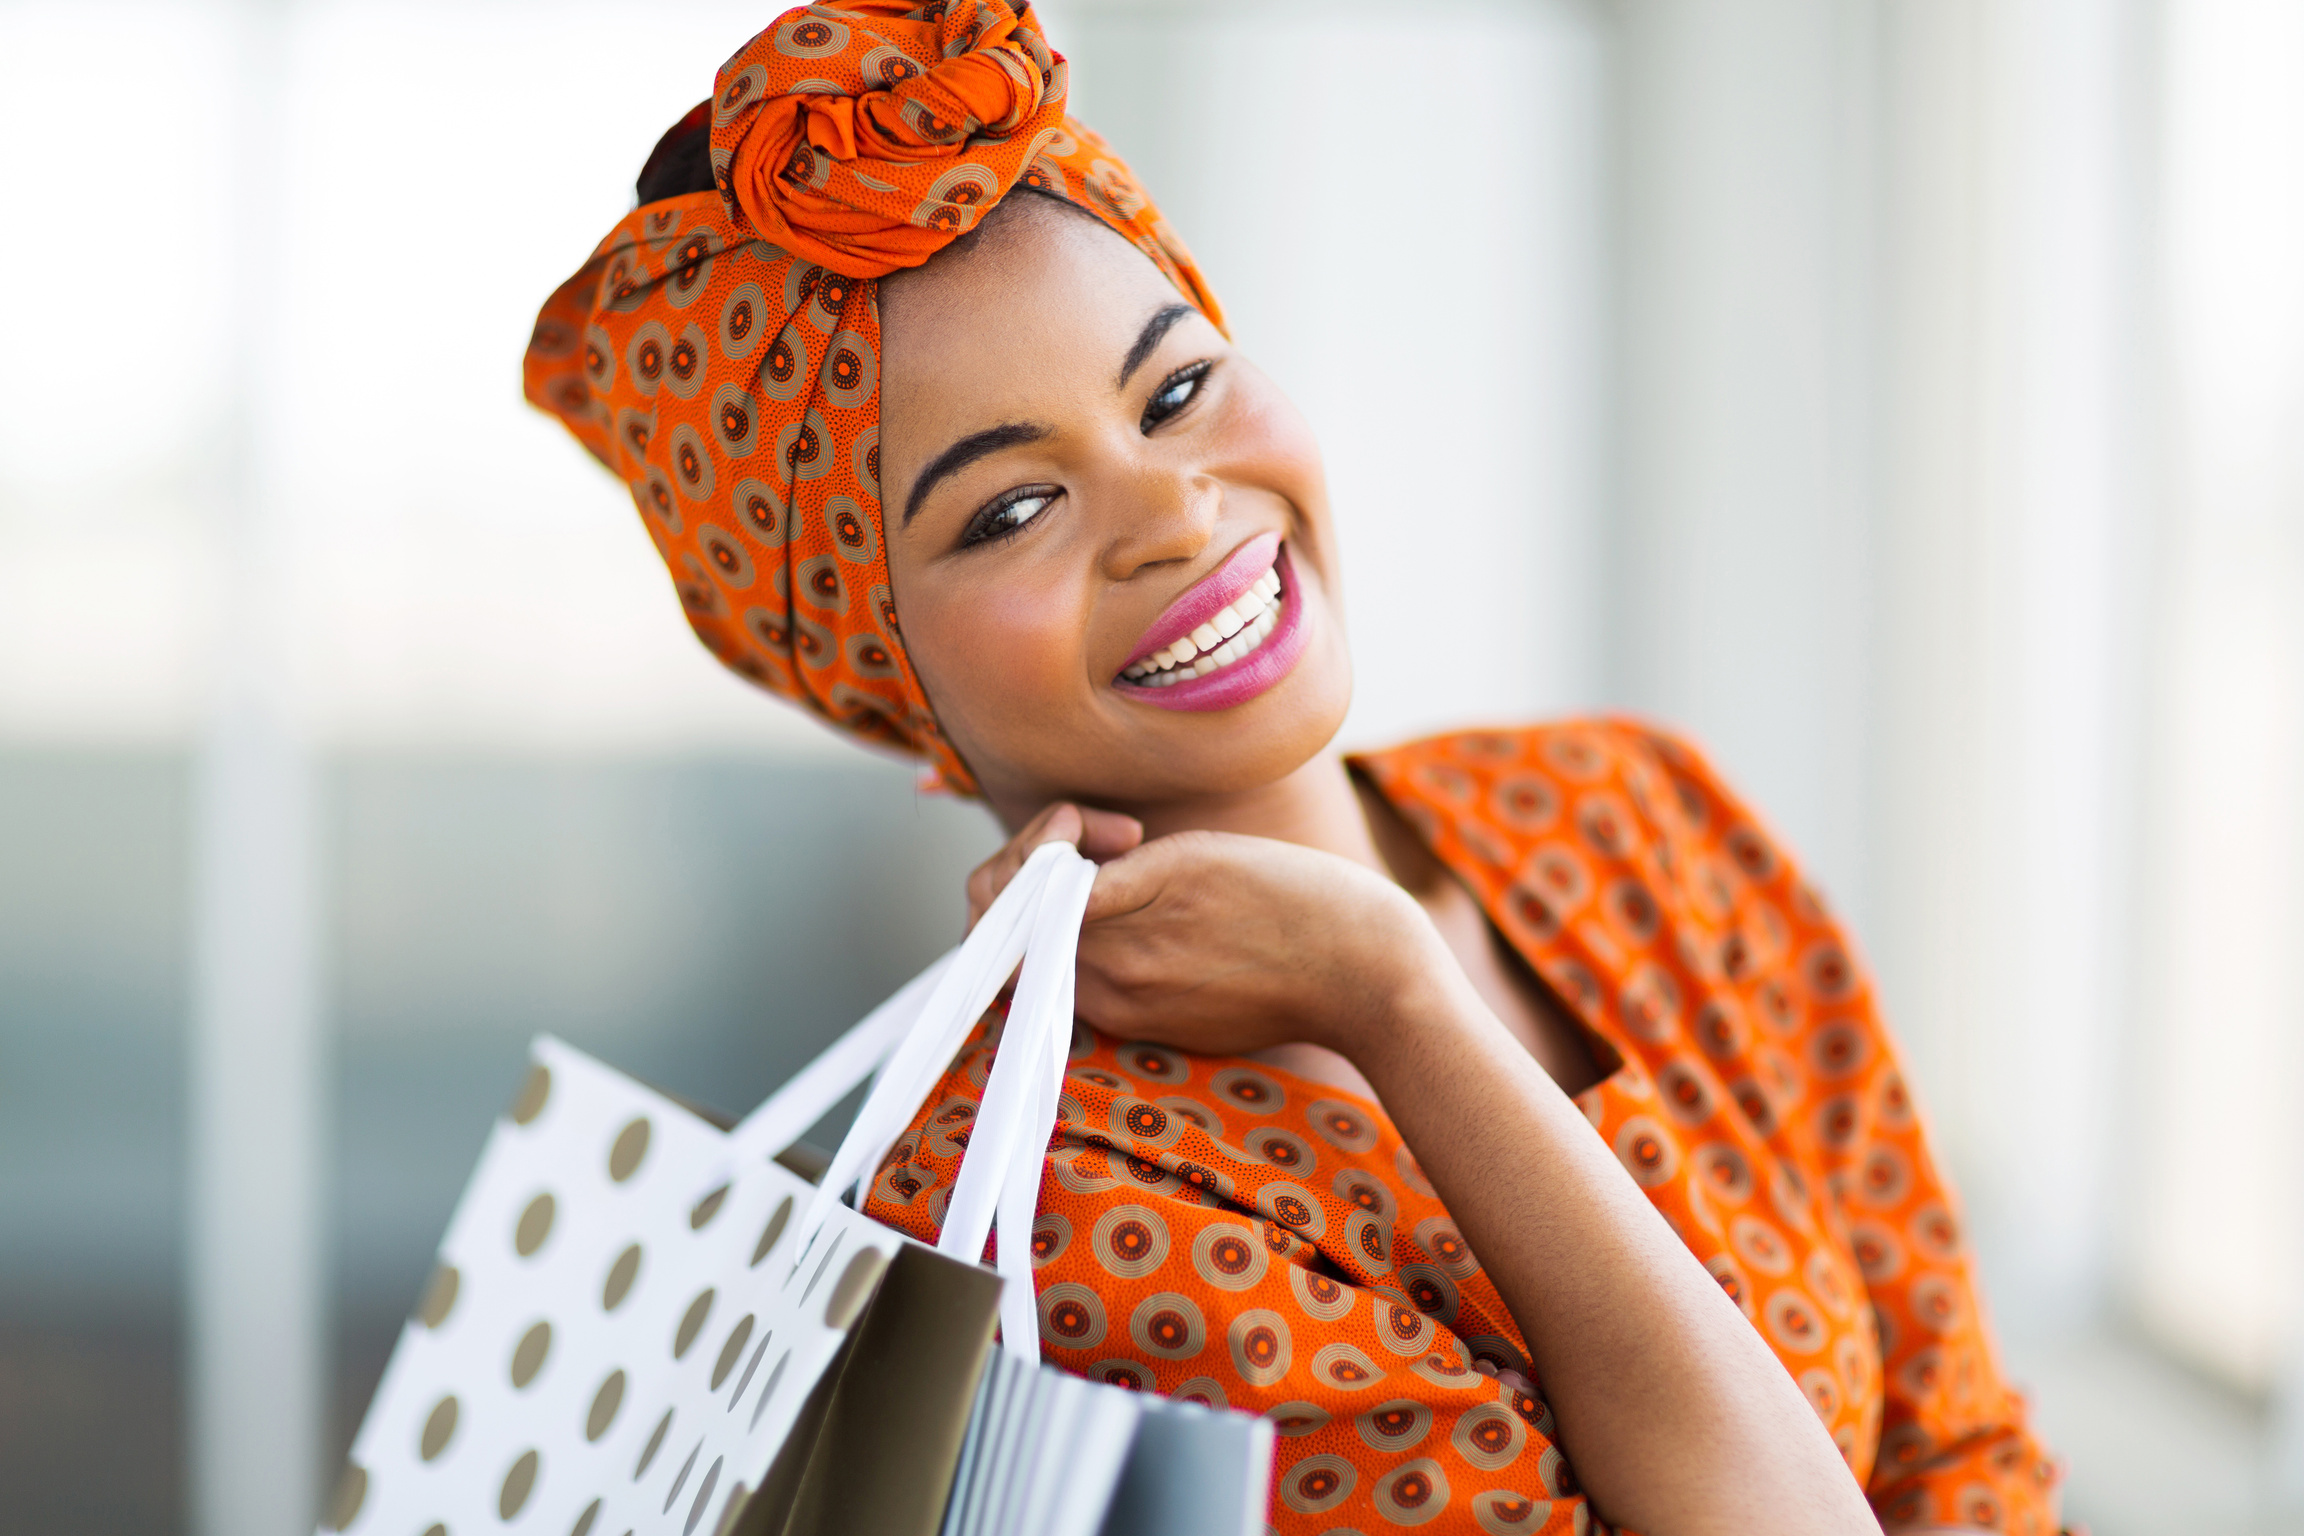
(1404, 985)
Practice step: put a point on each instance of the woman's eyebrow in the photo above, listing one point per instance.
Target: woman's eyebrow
(966, 452)
(1163, 320)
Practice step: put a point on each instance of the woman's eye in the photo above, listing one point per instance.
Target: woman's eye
(1009, 514)
(1175, 392)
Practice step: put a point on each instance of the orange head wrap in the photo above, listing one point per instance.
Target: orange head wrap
(720, 351)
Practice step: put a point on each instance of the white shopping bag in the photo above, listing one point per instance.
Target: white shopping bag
(639, 1320)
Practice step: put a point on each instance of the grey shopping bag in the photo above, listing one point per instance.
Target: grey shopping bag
(1049, 1454)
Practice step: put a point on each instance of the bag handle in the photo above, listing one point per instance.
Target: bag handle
(809, 1094)
(1000, 1174)
(955, 1001)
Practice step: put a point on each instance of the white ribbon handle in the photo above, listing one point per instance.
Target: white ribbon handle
(956, 1000)
(1007, 1142)
(1020, 1191)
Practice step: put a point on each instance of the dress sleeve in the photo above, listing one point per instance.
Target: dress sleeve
(1956, 1446)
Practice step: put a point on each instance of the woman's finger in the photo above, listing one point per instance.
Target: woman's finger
(1058, 823)
(1106, 834)
(991, 877)
(1130, 881)
(1099, 835)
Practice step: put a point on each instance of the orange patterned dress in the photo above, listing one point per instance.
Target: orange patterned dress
(1218, 1229)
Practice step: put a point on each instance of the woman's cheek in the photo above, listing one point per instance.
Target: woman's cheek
(1267, 442)
(1002, 666)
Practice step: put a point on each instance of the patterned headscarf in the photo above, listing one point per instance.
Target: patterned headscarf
(720, 351)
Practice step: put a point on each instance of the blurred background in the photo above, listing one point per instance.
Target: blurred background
(1905, 396)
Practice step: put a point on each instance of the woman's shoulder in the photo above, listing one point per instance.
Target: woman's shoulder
(1561, 755)
(1607, 846)
(1606, 781)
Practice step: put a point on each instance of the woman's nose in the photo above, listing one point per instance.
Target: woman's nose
(1161, 516)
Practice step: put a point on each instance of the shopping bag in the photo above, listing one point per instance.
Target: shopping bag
(1054, 1455)
(623, 1279)
(640, 1322)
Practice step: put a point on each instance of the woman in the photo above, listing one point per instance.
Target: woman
(939, 432)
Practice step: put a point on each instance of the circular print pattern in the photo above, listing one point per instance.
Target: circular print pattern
(1294, 1207)
(1051, 1235)
(1248, 1089)
(1071, 1316)
(1345, 1367)
(1430, 1291)
(1321, 1298)
(1281, 1148)
(1131, 1241)
(1129, 1375)
(1229, 1257)
(1415, 1494)
(1394, 1426)
(1491, 1437)
(1402, 1331)
(1502, 1512)
(1260, 1346)
(1145, 1123)
(851, 370)
(1345, 1126)
(1317, 1484)
(743, 321)
(735, 421)
(1168, 1326)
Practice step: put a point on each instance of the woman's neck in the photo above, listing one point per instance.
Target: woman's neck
(1317, 806)
(1314, 807)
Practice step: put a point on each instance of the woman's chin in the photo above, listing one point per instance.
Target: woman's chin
(1197, 754)
(1122, 753)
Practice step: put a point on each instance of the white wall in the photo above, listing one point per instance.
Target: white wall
(1738, 607)
(2216, 1238)
(2014, 507)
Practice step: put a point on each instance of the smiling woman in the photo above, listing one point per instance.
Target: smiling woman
(1115, 576)
(1503, 1115)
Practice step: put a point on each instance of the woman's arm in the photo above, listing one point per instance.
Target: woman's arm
(1674, 1412)
(1675, 1415)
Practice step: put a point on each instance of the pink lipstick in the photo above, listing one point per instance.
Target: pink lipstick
(1232, 636)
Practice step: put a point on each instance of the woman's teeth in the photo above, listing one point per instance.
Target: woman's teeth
(1230, 633)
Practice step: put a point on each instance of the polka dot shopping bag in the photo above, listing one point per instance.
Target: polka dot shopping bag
(640, 1322)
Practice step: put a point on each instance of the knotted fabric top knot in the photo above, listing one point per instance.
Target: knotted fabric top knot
(869, 136)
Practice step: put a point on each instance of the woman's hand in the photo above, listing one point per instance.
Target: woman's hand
(1228, 945)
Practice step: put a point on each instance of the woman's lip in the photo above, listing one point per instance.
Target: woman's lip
(1253, 673)
(1241, 569)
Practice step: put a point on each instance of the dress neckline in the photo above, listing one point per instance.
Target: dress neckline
(1467, 872)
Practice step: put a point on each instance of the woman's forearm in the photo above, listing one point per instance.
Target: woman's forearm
(1673, 1411)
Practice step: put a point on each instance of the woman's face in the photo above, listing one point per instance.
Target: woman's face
(1083, 476)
